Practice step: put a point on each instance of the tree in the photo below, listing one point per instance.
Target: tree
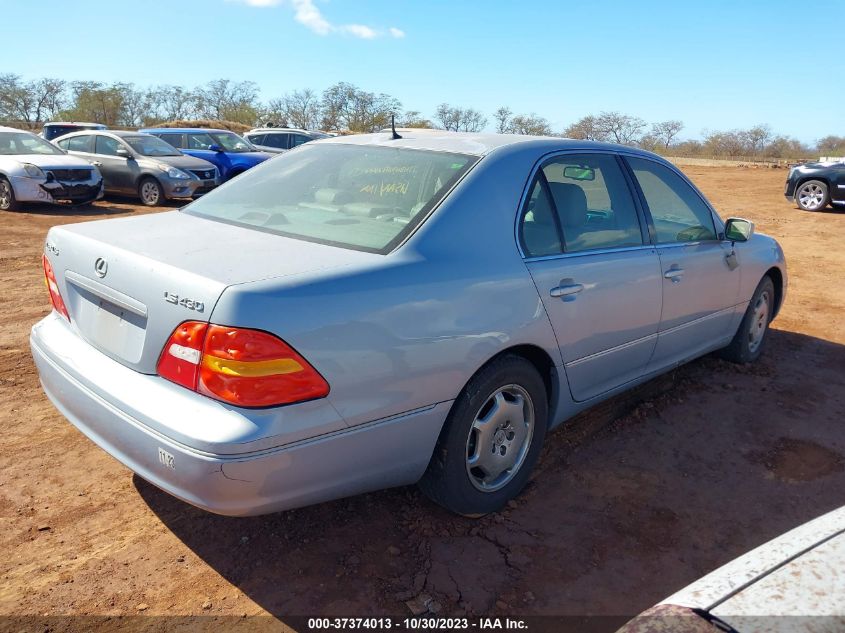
(666, 131)
(299, 108)
(173, 103)
(139, 105)
(457, 119)
(413, 118)
(95, 101)
(831, 145)
(585, 129)
(619, 128)
(227, 100)
(757, 138)
(529, 124)
(502, 117)
(347, 107)
(32, 102)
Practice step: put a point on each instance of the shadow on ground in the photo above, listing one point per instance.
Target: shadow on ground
(632, 501)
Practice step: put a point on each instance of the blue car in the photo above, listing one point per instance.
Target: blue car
(229, 152)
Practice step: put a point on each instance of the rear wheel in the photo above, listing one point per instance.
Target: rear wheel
(491, 440)
(7, 196)
(812, 195)
(749, 340)
(150, 192)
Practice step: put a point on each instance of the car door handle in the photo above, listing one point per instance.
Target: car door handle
(674, 274)
(566, 291)
(96, 163)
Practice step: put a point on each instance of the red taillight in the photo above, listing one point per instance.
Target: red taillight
(53, 288)
(244, 367)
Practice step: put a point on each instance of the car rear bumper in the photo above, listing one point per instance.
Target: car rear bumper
(338, 463)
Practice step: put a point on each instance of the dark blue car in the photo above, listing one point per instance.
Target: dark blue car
(229, 152)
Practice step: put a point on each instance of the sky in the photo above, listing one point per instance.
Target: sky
(714, 64)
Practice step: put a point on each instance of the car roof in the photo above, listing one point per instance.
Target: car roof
(478, 144)
(117, 133)
(181, 130)
(282, 129)
(80, 123)
(3, 128)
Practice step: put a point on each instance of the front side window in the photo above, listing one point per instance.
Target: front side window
(106, 145)
(12, 143)
(231, 142)
(586, 199)
(678, 212)
(360, 197)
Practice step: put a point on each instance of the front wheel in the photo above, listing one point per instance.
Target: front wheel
(150, 192)
(812, 195)
(491, 439)
(7, 196)
(749, 340)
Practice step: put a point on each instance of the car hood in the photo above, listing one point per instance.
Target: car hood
(182, 162)
(62, 161)
(254, 157)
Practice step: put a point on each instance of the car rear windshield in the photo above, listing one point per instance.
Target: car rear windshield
(149, 145)
(17, 143)
(355, 196)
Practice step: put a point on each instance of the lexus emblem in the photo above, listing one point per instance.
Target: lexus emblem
(101, 267)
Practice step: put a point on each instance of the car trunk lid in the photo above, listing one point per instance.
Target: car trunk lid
(127, 283)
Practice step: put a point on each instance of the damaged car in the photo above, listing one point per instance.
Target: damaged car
(33, 170)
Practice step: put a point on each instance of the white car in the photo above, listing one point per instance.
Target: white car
(794, 583)
(33, 170)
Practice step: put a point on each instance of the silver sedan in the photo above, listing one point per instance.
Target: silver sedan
(372, 311)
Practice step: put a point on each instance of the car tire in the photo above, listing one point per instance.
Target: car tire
(7, 196)
(812, 195)
(750, 339)
(486, 430)
(150, 192)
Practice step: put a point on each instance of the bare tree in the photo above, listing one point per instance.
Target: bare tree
(502, 117)
(30, 102)
(414, 118)
(96, 101)
(457, 119)
(757, 138)
(666, 131)
(619, 128)
(346, 107)
(529, 124)
(300, 108)
(585, 129)
(228, 100)
(173, 103)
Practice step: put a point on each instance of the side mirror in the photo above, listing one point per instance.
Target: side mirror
(123, 152)
(215, 148)
(739, 230)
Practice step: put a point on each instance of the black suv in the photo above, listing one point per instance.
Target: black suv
(815, 185)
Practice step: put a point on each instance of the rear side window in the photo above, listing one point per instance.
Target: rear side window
(279, 141)
(173, 139)
(80, 143)
(354, 196)
(299, 139)
(586, 200)
(678, 212)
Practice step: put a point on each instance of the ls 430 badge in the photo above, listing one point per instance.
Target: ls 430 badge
(171, 297)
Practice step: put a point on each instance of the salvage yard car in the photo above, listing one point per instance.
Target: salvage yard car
(142, 165)
(372, 311)
(231, 154)
(812, 186)
(278, 140)
(792, 584)
(33, 170)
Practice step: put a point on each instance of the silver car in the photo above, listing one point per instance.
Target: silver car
(33, 170)
(371, 311)
(133, 163)
(278, 140)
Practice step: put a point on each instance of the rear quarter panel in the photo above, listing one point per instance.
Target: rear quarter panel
(410, 331)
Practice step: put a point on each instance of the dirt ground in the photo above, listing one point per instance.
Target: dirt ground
(631, 501)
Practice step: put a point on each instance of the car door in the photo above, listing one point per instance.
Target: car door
(198, 143)
(700, 272)
(585, 244)
(116, 170)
